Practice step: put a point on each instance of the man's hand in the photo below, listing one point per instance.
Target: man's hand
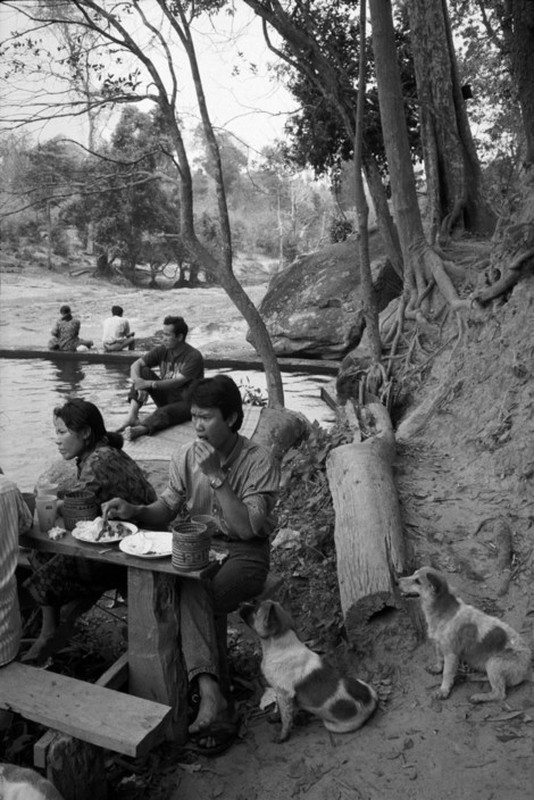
(141, 383)
(117, 508)
(207, 458)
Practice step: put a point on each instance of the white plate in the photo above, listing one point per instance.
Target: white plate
(148, 544)
(82, 533)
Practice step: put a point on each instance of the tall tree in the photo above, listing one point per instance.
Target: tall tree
(422, 264)
(452, 168)
(517, 19)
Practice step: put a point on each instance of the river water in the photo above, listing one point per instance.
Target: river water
(31, 388)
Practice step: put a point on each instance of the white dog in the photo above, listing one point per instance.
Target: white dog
(299, 675)
(464, 633)
(19, 783)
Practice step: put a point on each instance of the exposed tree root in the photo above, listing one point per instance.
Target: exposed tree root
(515, 272)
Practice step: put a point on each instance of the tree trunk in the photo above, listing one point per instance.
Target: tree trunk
(323, 72)
(452, 168)
(368, 529)
(421, 263)
(370, 309)
(518, 27)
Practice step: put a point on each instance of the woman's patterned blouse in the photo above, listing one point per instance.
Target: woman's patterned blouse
(109, 472)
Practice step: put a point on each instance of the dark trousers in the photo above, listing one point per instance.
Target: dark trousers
(171, 410)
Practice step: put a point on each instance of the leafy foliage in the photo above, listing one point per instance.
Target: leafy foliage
(318, 135)
(305, 505)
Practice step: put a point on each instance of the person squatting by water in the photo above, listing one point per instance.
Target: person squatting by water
(180, 366)
(65, 333)
(116, 333)
(234, 480)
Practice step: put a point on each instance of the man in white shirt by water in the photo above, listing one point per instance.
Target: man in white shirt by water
(116, 334)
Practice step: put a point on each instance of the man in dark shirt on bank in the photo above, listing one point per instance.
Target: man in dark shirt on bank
(180, 367)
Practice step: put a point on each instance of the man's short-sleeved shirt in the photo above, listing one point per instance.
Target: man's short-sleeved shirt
(186, 361)
(115, 328)
(251, 472)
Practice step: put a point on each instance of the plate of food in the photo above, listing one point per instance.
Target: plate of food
(114, 531)
(148, 544)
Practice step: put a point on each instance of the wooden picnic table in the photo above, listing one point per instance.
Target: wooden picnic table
(154, 660)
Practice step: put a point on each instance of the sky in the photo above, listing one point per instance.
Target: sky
(251, 105)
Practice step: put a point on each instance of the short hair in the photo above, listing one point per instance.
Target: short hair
(64, 310)
(78, 414)
(178, 323)
(220, 392)
(117, 310)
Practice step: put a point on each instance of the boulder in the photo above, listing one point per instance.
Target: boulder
(313, 309)
(280, 429)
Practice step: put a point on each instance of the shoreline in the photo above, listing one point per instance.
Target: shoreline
(242, 361)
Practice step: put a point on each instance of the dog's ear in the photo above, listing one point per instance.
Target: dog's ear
(437, 582)
(265, 619)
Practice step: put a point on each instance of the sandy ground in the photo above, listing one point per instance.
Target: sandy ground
(415, 747)
(458, 482)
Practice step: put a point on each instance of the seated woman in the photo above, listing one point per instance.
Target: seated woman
(65, 333)
(104, 469)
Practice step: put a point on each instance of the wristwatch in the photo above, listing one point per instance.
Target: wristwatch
(216, 483)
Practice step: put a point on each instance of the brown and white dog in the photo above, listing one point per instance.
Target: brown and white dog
(461, 632)
(19, 783)
(300, 676)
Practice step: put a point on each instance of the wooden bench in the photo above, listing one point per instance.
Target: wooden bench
(90, 712)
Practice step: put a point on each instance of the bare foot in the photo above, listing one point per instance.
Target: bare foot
(134, 432)
(127, 424)
(213, 705)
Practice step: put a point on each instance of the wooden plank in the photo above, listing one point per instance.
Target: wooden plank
(238, 362)
(92, 713)
(40, 748)
(154, 655)
(117, 675)
(114, 678)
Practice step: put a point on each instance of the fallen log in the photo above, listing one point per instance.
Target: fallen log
(368, 530)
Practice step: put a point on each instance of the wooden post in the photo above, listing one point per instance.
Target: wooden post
(368, 530)
(156, 669)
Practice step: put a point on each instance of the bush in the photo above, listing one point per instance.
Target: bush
(340, 229)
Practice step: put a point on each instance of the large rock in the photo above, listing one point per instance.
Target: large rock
(313, 308)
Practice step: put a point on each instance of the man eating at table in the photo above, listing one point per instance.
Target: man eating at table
(234, 480)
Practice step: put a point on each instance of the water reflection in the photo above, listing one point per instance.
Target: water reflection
(69, 375)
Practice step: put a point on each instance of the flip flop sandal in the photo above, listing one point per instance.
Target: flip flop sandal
(223, 734)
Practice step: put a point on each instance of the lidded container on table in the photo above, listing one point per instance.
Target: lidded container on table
(190, 546)
(79, 505)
